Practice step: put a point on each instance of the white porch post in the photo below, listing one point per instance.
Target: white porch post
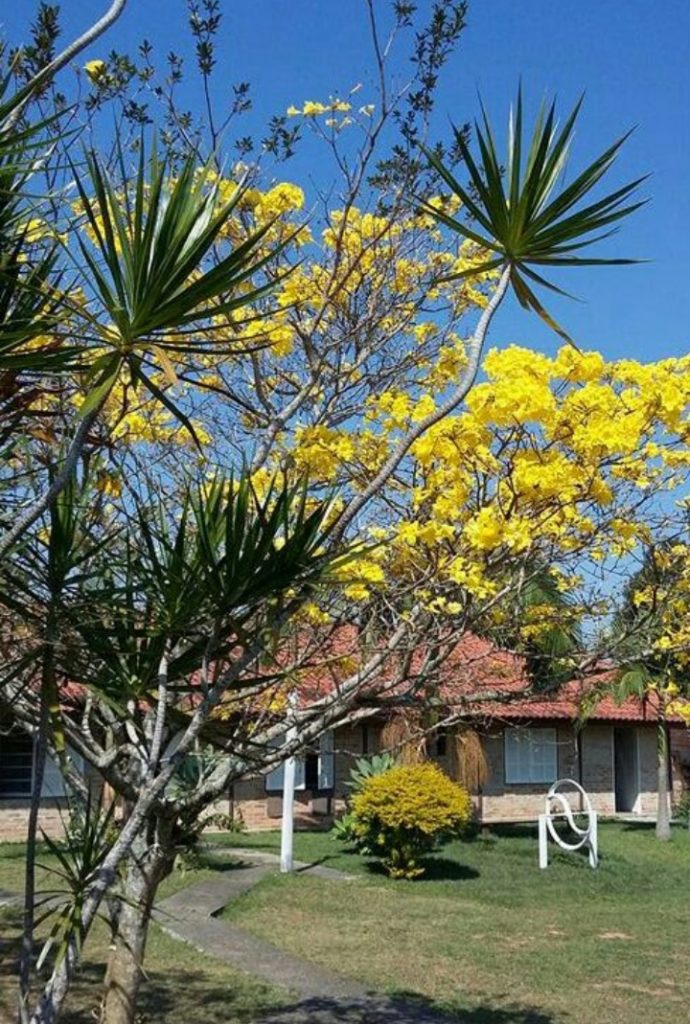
(288, 815)
(543, 843)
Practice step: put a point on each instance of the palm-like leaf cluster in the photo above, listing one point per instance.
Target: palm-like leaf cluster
(30, 306)
(89, 835)
(523, 214)
(194, 587)
(156, 272)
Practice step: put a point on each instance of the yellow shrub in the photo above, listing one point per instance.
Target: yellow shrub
(405, 812)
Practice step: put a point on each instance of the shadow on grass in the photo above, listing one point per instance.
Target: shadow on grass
(436, 869)
(212, 862)
(214, 853)
(678, 828)
(178, 995)
(399, 1009)
(529, 830)
(443, 869)
(315, 863)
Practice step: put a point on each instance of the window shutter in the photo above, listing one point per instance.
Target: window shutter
(53, 782)
(511, 748)
(274, 779)
(299, 773)
(326, 762)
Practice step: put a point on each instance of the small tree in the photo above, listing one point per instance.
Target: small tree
(406, 812)
(651, 632)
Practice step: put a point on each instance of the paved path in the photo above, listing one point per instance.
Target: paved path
(254, 856)
(322, 996)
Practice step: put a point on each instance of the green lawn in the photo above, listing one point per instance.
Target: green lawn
(182, 986)
(487, 935)
(492, 938)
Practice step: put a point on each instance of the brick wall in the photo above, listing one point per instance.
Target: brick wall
(499, 800)
(597, 766)
(14, 819)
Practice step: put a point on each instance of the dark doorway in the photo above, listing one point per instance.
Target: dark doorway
(626, 768)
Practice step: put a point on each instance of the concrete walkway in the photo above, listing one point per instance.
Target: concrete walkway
(322, 996)
(254, 856)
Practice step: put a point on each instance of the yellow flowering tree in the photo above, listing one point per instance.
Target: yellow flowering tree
(338, 341)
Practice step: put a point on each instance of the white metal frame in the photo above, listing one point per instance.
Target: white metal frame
(585, 837)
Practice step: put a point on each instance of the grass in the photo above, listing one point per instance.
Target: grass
(182, 986)
(486, 935)
(490, 937)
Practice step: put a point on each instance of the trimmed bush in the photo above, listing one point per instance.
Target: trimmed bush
(406, 812)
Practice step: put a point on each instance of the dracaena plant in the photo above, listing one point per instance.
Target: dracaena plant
(162, 280)
(143, 614)
(157, 279)
(30, 304)
(193, 586)
(523, 215)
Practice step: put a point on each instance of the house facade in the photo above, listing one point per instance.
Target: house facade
(525, 742)
(614, 760)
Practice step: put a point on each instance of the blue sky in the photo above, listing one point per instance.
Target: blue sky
(631, 57)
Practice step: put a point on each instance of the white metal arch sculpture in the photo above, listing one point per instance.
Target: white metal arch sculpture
(583, 835)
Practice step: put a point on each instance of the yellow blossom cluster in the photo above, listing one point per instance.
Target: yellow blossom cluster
(313, 108)
(555, 455)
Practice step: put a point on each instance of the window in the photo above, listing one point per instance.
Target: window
(17, 768)
(531, 755)
(314, 770)
(16, 764)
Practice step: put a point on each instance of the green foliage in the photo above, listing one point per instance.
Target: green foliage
(154, 237)
(520, 218)
(89, 836)
(344, 829)
(405, 812)
(29, 298)
(366, 767)
(230, 558)
(681, 808)
(549, 650)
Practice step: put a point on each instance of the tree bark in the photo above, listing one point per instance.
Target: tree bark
(148, 865)
(663, 814)
(39, 763)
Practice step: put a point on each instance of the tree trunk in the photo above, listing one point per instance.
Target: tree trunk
(663, 814)
(147, 866)
(39, 763)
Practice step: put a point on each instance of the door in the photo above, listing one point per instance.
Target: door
(626, 769)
